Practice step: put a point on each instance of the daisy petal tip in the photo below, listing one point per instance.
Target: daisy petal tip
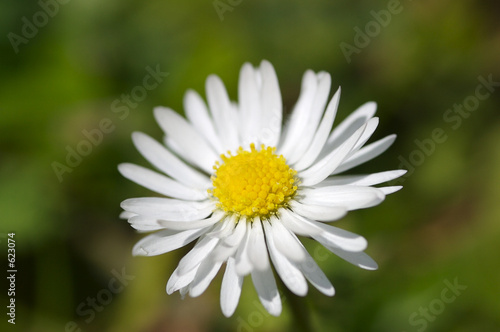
(227, 309)
(212, 80)
(136, 135)
(275, 310)
(264, 64)
(195, 290)
(243, 270)
(372, 105)
(369, 267)
(126, 215)
(397, 188)
(329, 291)
(139, 251)
(390, 190)
(362, 244)
(159, 111)
(190, 93)
(367, 263)
(124, 168)
(227, 313)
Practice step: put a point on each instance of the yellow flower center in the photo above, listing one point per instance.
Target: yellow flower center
(253, 183)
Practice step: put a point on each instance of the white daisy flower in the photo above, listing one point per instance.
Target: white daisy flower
(244, 186)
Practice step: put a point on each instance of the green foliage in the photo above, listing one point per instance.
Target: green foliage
(63, 81)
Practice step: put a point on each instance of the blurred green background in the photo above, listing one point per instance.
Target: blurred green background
(60, 76)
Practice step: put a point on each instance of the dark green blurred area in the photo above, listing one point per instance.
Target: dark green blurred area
(443, 227)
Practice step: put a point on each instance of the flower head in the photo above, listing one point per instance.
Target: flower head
(244, 186)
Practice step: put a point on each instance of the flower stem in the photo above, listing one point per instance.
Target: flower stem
(300, 311)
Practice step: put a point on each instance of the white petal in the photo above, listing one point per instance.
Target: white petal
(206, 272)
(284, 241)
(357, 258)
(320, 171)
(291, 222)
(313, 272)
(192, 145)
(230, 289)
(271, 105)
(300, 114)
(257, 251)
(198, 115)
(191, 224)
(321, 135)
(291, 275)
(144, 224)
(238, 233)
(178, 281)
(221, 109)
(350, 197)
(169, 209)
(143, 221)
(265, 285)
(165, 241)
(126, 215)
(362, 179)
(177, 150)
(390, 190)
(243, 264)
(310, 126)
(196, 255)
(223, 228)
(347, 127)
(366, 153)
(318, 212)
(249, 105)
(342, 239)
(228, 245)
(146, 228)
(371, 125)
(334, 236)
(166, 162)
(159, 183)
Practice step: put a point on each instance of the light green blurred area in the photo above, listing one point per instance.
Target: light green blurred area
(443, 227)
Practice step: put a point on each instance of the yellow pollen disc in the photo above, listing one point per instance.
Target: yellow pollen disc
(253, 183)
